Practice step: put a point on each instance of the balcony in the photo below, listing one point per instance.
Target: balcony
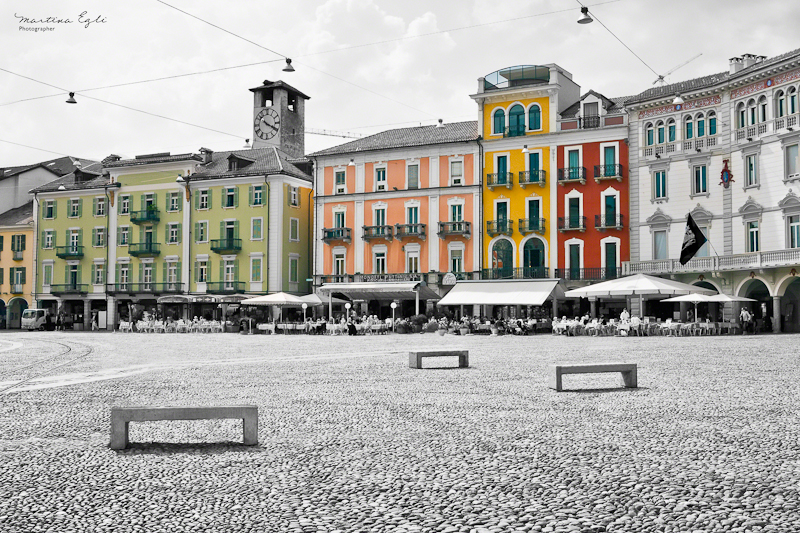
(571, 224)
(146, 287)
(145, 249)
(378, 232)
(590, 122)
(756, 260)
(572, 175)
(532, 225)
(69, 288)
(17, 288)
(72, 251)
(447, 229)
(18, 255)
(588, 274)
(499, 227)
(502, 179)
(330, 235)
(608, 221)
(514, 131)
(515, 273)
(145, 217)
(607, 172)
(226, 246)
(334, 278)
(671, 148)
(532, 177)
(225, 287)
(403, 231)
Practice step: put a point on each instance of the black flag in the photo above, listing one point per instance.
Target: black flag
(693, 240)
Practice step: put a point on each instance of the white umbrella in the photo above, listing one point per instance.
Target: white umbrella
(280, 299)
(724, 298)
(638, 284)
(694, 298)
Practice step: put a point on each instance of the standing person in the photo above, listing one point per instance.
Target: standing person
(95, 327)
(624, 315)
(59, 322)
(744, 318)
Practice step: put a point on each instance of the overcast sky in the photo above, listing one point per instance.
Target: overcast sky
(408, 79)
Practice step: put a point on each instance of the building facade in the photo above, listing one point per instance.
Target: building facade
(16, 262)
(726, 152)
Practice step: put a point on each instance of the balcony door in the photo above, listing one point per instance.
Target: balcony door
(574, 261)
(516, 121)
(502, 169)
(230, 230)
(574, 160)
(502, 259)
(502, 216)
(74, 277)
(610, 160)
(611, 211)
(74, 241)
(533, 215)
(147, 277)
(380, 221)
(574, 215)
(230, 275)
(533, 259)
(148, 236)
(611, 260)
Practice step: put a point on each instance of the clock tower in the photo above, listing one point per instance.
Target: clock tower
(279, 118)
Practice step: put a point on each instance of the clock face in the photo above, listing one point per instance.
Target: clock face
(267, 123)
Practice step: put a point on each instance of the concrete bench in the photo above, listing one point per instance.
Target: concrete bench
(122, 416)
(628, 371)
(415, 357)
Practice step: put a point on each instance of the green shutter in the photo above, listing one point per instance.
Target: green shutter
(209, 198)
(179, 231)
(196, 271)
(221, 271)
(196, 232)
(55, 237)
(80, 237)
(80, 207)
(117, 272)
(22, 248)
(222, 230)
(236, 196)
(251, 193)
(166, 233)
(94, 206)
(196, 200)
(180, 201)
(141, 234)
(178, 272)
(119, 204)
(164, 271)
(55, 204)
(1, 243)
(235, 229)
(141, 273)
(44, 234)
(119, 235)
(66, 275)
(288, 194)
(142, 203)
(208, 270)
(236, 270)
(94, 236)
(299, 197)
(78, 275)
(23, 275)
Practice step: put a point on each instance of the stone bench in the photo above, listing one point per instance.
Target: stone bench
(628, 371)
(415, 357)
(122, 416)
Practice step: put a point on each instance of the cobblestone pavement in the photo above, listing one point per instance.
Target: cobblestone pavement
(351, 439)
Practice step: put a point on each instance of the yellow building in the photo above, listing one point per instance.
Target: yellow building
(16, 264)
(518, 112)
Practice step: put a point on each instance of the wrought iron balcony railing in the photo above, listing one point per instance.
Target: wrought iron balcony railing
(591, 121)
(532, 225)
(144, 249)
(462, 228)
(147, 287)
(608, 221)
(224, 287)
(378, 232)
(515, 273)
(607, 172)
(69, 252)
(18, 255)
(572, 174)
(532, 177)
(17, 288)
(69, 288)
(571, 223)
(334, 278)
(336, 234)
(410, 230)
(226, 246)
(502, 179)
(145, 216)
(588, 274)
(499, 227)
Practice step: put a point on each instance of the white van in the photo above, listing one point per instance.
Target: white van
(33, 319)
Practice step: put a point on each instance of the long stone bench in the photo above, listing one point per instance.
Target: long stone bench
(415, 357)
(122, 416)
(628, 371)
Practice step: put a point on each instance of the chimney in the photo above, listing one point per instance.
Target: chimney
(749, 60)
(207, 153)
(736, 64)
(110, 159)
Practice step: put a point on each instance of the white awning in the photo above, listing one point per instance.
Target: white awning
(382, 290)
(507, 292)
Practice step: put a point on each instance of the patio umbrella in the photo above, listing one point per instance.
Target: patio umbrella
(694, 298)
(724, 298)
(280, 299)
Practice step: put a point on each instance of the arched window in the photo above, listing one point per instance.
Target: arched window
(712, 123)
(701, 124)
(688, 128)
(648, 133)
(671, 133)
(533, 260)
(499, 122)
(791, 97)
(502, 259)
(762, 109)
(780, 103)
(534, 118)
(660, 132)
(751, 112)
(516, 121)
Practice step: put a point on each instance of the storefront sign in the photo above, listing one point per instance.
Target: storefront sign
(388, 277)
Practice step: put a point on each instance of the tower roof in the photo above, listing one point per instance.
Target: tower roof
(280, 85)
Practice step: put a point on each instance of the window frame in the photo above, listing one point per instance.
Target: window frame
(381, 184)
(456, 180)
(202, 226)
(752, 230)
(340, 188)
(665, 233)
(203, 199)
(260, 221)
(294, 223)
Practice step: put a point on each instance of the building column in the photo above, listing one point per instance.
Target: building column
(776, 314)
(555, 308)
(593, 307)
(684, 310)
(87, 315)
(111, 314)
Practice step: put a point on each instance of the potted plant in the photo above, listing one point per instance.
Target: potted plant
(464, 327)
(442, 329)
(417, 323)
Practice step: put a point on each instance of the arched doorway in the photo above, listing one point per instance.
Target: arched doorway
(516, 121)
(761, 309)
(790, 308)
(2, 314)
(533, 259)
(14, 312)
(502, 260)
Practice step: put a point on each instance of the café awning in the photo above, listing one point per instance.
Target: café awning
(385, 290)
(506, 292)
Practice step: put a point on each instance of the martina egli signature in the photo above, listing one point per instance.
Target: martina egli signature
(84, 19)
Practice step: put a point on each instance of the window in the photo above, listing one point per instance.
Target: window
(255, 269)
(122, 235)
(201, 231)
(125, 204)
(294, 196)
(712, 123)
(498, 122)
(201, 271)
(751, 170)
(671, 133)
(294, 229)
(751, 111)
(173, 233)
(204, 199)
(256, 233)
(99, 207)
(699, 183)
(516, 121)
(231, 197)
(174, 201)
(123, 274)
(791, 94)
(380, 219)
(98, 271)
(49, 209)
(660, 185)
(74, 208)
(649, 135)
(456, 260)
(660, 133)
(762, 109)
(146, 273)
(781, 103)
(534, 118)
(742, 115)
(230, 274)
(456, 172)
(412, 215)
(791, 161)
(338, 219)
(172, 274)
(338, 265)
(456, 213)
(294, 269)
(380, 263)
(413, 176)
(380, 179)
(341, 184)
(99, 237)
(703, 251)
(257, 195)
(412, 262)
(47, 275)
(18, 243)
(689, 128)
(48, 239)
(752, 236)
(660, 244)
(701, 125)
(794, 231)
